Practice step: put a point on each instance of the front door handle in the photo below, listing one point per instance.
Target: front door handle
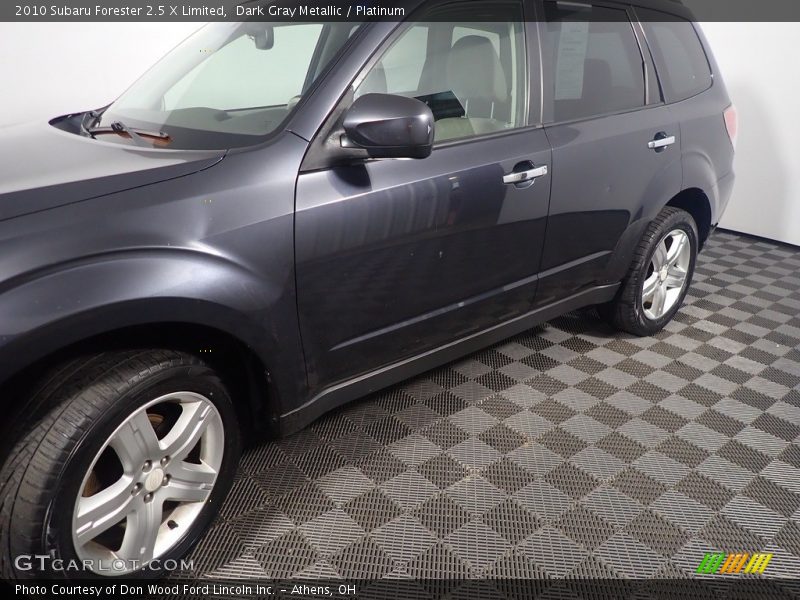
(523, 176)
(661, 141)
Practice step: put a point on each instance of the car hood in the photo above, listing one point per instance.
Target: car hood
(43, 167)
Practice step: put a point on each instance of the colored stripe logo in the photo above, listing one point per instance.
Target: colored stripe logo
(731, 564)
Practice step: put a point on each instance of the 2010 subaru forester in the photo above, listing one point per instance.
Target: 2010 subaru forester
(281, 217)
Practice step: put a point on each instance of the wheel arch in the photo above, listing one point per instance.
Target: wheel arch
(693, 200)
(696, 202)
(171, 297)
(243, 370)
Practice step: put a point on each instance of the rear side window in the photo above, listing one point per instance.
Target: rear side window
(594, 61)
(679, 56)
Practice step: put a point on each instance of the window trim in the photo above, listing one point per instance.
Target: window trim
(700, 40)
(649, 67)
(648, 60)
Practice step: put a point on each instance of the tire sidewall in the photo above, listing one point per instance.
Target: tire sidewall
(57, 530)
(683, 222)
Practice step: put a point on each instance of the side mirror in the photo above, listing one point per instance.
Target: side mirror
(389, 126)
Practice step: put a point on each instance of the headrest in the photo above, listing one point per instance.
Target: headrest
(474, 70)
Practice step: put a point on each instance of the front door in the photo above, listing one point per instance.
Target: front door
(395, 257)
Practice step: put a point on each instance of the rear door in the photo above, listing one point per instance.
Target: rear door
(616, 154)
(697, 98)
(396, 257)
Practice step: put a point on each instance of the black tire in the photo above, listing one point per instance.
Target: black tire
(626, 312)
(77, 407)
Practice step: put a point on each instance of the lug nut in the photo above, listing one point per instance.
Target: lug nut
(147, 465)
(136, 489)
(148, 497)
(164, 461)
(167, 477)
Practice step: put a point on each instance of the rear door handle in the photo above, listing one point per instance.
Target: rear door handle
(523, 176)
(661, 141)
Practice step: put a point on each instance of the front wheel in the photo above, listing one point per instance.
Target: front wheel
(659, 277)
(123, 470)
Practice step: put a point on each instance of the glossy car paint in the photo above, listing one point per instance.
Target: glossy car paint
(706, 154)
(598, 195)
(389, 126)
(345, 279)
(214, 248)
(79, 168)
(420, 253)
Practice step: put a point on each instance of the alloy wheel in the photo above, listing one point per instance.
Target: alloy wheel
(149, 482)
(667, 274)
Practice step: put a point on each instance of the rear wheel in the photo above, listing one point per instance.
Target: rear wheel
(659, 276)
(126, 467)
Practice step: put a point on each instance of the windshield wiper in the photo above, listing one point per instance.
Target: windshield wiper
(89, 117)
(137, 135)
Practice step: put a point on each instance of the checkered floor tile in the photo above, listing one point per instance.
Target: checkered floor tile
(567, 451)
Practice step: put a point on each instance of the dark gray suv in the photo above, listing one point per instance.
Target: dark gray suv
(281, 217)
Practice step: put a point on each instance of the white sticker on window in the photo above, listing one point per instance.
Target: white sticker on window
(571, 58)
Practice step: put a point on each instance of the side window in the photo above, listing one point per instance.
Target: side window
(473, 76)
(680, 59)
(403, 64)
(593, 60)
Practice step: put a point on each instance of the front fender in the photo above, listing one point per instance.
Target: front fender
(44, 312)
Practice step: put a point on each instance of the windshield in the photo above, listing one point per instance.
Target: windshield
(228, 85)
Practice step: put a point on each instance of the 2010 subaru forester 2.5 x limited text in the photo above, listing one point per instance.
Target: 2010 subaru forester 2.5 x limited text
(279, 218)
